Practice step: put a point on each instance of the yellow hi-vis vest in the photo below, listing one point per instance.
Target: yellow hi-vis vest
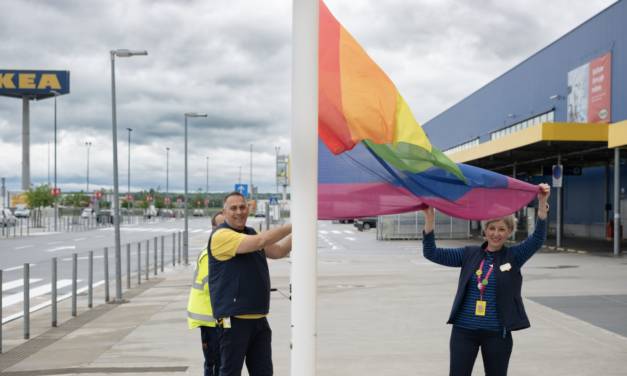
(199, 311)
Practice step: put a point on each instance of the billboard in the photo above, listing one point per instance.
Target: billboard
(589, 91)
(14, 81)
(283, 170)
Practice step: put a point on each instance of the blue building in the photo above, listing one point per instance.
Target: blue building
(565, 105)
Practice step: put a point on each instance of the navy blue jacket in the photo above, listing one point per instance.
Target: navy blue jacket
(508, 286)
(240, 285)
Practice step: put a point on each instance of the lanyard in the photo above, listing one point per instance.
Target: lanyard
(481, 284)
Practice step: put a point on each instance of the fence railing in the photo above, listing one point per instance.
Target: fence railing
(90, 285)
(12, 228)
(410, 225)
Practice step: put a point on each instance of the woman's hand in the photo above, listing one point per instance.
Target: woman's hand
(429, 214)
(542, 200)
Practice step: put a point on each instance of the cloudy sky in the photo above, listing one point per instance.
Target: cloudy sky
(231, 60)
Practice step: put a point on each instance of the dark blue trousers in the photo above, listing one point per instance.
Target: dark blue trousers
(495, 351)
(247, 340)
(211, 350)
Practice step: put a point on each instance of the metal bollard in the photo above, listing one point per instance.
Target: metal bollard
(26, 301)
(106, 273)
(53, 297)
(147, 259)
(90, 280)
(74, 281)
(156, 254)
(28, 226)
(179, 248)
(21, 226)
(139, 263)
(162, 252)
(128, 266)
(173, 249)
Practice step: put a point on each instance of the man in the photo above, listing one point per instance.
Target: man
(199, 312)
(239, 282)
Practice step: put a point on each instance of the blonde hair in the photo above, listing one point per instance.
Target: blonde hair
(509, 220)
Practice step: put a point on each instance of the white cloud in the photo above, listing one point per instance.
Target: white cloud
(232, 61)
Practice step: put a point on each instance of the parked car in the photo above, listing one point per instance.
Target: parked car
(366, 222)
(347, 221)
(179, 213)
(87, 213)
(166, 213)
(260, 213)
(22, 213)
(106, 216)
(8, 219)
(198, 213)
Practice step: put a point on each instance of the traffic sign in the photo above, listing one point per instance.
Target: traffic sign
(167, 199)
(55, 191)
(198, 202)
(149, 198)
(97, 194)
(179, 200)
(274, 201)
(557, 176)
(129, 197)
(207, 202)
(242, 188)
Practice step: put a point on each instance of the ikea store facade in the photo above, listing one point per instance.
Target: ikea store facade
(566, 105)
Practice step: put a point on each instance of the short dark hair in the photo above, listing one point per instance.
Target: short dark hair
(214, 223)
(234, 193)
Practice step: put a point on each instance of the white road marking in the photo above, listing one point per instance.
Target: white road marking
(157, 229)
(100, 236)
(17, 267)
(351, 239)
(60, 248)
(336, 232)
(38, 291)
(196, 231)
(207, 232)
(79, 239)
(55, 243)
(24, 246)
(17, 283)
(323, 232)
(82, 258)
(349, 232)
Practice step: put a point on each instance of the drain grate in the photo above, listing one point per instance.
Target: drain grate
(72, 371)
(29, 348)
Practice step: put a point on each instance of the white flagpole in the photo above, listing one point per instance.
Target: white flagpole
(304, 180)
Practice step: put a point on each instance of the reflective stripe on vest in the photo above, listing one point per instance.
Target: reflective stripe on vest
(196, 285)
(198, 316)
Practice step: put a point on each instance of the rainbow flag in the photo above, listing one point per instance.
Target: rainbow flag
(374, 158)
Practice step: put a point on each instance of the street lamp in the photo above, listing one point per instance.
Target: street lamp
(116, 201)
(56, 200)
(207, 196)
(185, 242)
(128, 191)
(167, 172)
(277, 149)
(88, 144)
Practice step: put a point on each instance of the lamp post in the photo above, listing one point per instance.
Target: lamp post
(116, 201)
(48, 162)
(88, 144)
(252, 190)
(277, 149)
(128, 190)
(167, 172)
(185, 238)
(239, 181)
(207, 196)
(56, 200)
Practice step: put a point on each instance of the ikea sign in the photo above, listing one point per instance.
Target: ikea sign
(34, 81)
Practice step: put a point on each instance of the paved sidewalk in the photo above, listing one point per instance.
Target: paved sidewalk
(382, 310)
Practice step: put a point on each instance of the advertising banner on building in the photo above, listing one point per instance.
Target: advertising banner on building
(589, 91)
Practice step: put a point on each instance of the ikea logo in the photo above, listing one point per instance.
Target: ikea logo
(603, 114)
(27, 81)
(33, 81)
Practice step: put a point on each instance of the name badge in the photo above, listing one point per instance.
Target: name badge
(506, 267)
(227, 322)
(480, 309)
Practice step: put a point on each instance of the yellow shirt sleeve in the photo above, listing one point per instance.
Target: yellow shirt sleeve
(224, 243)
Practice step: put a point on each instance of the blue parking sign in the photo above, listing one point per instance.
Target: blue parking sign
(242, 188)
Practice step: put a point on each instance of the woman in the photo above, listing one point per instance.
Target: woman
(488, 305)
